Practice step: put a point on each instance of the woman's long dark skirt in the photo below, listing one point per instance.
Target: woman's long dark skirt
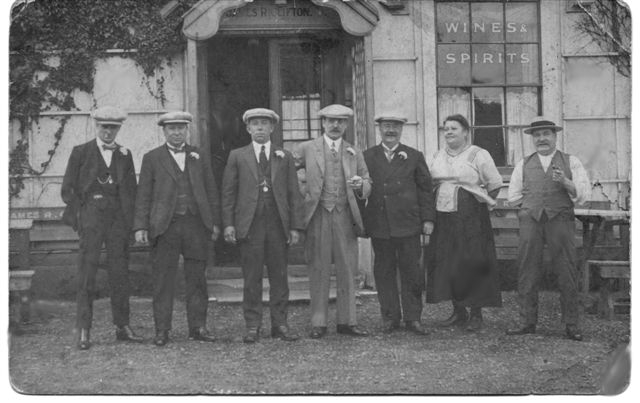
(462, 264)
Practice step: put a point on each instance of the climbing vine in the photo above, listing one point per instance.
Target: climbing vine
(54, 45)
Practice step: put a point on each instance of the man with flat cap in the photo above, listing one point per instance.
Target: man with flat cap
(336, 175)
(261, 211)
(399, 209)
(178, 212)
(546, 185)
(99, 189)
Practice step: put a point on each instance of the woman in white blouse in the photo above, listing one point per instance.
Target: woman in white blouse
(462, 255)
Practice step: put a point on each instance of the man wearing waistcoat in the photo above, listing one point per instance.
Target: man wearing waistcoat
(336, 175)
(261, 211)
(399, 209)
(546, 185)
(99, 188)
(177, 212)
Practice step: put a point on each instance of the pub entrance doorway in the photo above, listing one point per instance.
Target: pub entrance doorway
(294, 75)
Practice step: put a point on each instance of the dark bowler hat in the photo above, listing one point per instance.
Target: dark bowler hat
(335, 111)
(260, 113)
(541, 122)
(175, 117)
(109, 115)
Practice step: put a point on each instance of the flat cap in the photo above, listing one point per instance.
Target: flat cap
(391, 117)
(175, 117)
(335, 111)
(540, 122)
(109, 115)
(260, 113)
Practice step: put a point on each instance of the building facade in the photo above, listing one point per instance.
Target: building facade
(500, 63)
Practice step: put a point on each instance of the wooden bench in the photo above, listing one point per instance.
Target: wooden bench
(610, 271)
(19, 273)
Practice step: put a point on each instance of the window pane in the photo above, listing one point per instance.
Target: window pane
(454, 65)
(487, 107)
(522, 22)
(452, 101)
(488, 64)
(487, 22)
(522, 105)
(492, 140)
(522, 64)
(453, 22)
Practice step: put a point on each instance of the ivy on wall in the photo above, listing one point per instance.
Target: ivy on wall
(53, 48)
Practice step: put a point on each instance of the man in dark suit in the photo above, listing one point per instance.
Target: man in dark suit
(261, 210)
(399, 209)
(99, 188)
(177, 211)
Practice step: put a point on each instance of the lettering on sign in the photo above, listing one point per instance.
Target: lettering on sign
(487, 58)
(270, 12)
(496, 27)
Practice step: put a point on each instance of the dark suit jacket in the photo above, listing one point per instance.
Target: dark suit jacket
(240, 190)
(158, 190)
(401, 198)
(82, 171)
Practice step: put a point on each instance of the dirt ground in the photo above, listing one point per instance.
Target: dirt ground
(43, 358)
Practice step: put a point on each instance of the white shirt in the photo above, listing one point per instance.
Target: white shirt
(257, 147)
(579, 178)
(389, 151)
(107, 155)
(336, 143)
(178, 157)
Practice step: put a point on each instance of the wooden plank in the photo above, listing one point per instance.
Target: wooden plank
(505, 222)
(614, 272)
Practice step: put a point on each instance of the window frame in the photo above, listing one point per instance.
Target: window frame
(505, 86)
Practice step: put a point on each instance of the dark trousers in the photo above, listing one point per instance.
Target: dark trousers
(186, 235)
(403, 255)
(103, 223)
(265, 243)
(558, 234)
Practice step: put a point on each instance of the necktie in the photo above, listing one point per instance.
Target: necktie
(109, 147)
(176, 150)
(263, 159)
(333, 148)
(389, 154)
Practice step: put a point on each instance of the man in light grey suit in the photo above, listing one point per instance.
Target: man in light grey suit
(336, 175)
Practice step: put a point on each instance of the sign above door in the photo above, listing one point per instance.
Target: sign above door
(207, 17)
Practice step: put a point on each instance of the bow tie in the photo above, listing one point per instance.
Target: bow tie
(176, 150)
(109, 147)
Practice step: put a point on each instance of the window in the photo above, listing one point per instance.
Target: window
(488, 60)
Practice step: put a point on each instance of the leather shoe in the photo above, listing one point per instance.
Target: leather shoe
(389, 327)
(528, 329)
(162, 338)
(457, 318)
(318, 331)
(83, 340)
(351, 330)
(416, 327)
(283, 333)
(475, 321)
(125, 333)
(573, 333)
(252, 335)
(201, 334)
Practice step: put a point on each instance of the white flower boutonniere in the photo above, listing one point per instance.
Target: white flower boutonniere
(194, 155)
(351, 151)
(403, 156)
(279, 153)
(124, 151)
